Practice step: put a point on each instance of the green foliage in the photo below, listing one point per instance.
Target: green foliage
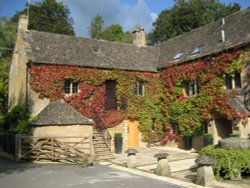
(228, 163)
(187, 117)
(113, 32)
(7, 38)
(85, 161)
(234, 135)
(188, 15)
(207, 136)
(118, 135)
(48, 16)
(17, 121)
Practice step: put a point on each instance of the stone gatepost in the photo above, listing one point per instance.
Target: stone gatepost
(163, 168)
(131, 160)
(205, 174)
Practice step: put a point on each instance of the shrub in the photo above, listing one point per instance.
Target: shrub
(17, 121)
(85, 161)
(118, 135)
(208, 136)
(234, 135)
(228, 163)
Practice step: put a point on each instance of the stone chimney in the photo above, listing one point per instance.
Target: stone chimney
(23, 23)
(139, 37)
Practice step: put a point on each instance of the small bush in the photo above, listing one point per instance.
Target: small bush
(17, 121)
(208, 136)
(228, 163)
(234, 135)
(118, 135)
(85, 161)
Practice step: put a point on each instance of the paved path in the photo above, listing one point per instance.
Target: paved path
(30, 175)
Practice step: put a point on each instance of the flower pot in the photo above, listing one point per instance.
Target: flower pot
(207, 141)
(187, 142)
(118, 145)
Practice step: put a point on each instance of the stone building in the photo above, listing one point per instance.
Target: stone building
(35, 50)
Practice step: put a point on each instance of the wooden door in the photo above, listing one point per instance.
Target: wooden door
(133, 134)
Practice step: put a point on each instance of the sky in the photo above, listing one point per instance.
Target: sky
(127, 13)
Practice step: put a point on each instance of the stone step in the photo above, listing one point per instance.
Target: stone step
(98, 142)
(101, 149)
(104, 158)
(102, 153)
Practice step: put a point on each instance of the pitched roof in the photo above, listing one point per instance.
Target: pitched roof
(60, 113)
(67, 50)
(209, 37)
(238, 104)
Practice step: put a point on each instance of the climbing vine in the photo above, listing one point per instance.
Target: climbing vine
(48, 81)
(163, 103)
(211, 102)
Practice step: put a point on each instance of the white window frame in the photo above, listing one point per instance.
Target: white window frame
(191, 88)
(233, 81)
(71, 87)
(139, 88)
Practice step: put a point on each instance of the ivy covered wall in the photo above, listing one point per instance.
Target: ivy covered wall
(163, 103)
(48, 81)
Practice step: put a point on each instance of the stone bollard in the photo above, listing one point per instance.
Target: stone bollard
(131, 161)
(162, 169)
(205, 174)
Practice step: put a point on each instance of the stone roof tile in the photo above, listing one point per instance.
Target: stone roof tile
(60, 113)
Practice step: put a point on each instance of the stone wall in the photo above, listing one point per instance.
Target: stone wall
(35, 103)
(121, 128)
(18, 68)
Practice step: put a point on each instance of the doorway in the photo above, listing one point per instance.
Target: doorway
(133, 134)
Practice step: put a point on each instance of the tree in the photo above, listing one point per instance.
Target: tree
(7, 38)
(48, 16)
(113, 32)
(187, 15)
(96, 27)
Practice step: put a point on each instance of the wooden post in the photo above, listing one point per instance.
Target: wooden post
(91, 148)
(52, 149)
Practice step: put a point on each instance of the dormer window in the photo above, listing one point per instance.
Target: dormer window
(197, 50)
(233, 81)
(139, 88)
(178, 55)
(70, 87)
(191, 88)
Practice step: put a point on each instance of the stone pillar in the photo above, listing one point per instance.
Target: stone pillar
(163, 168)
(205, 174)
(131, 160)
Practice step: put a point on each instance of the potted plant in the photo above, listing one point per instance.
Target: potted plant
(118, 143)
(207, 139)
(187, 138)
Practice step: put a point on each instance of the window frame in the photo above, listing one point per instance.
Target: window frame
(233, 81)
(139, 88)
(191, 88)
(70, 87)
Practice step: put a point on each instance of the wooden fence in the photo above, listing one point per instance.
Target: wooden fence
(61, 149)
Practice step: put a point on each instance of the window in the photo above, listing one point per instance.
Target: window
(233, 81)
(70, 87)
(191, 88)
(178, 55)
(111, 100)
(197, 50)
(139, 88)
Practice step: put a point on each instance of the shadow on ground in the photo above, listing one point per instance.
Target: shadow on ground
(12, 167)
